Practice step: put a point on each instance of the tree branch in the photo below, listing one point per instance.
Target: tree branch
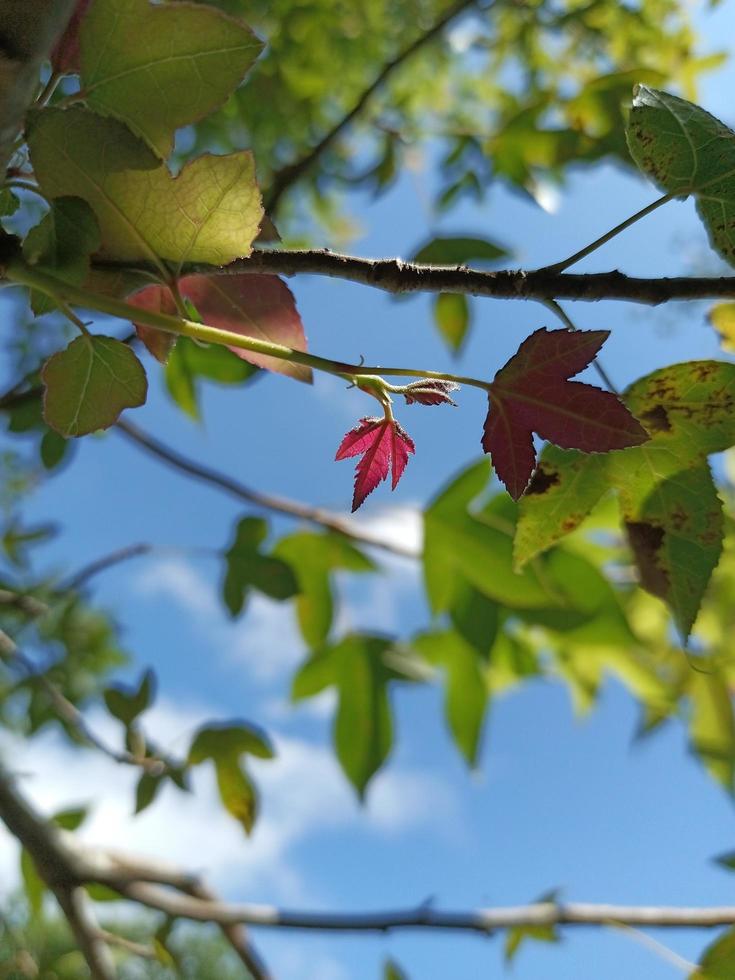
(396, 276)
(285, 178)
(484, 920)
(281, 505)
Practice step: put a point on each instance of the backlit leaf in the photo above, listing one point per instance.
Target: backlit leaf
(532, 393)
(452, 316)
(313, 557)
(90, 383)
(225, 745)
(262, 307)
(384, 446)
(209, 213)
(159, 67)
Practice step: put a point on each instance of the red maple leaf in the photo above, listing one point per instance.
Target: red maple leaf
(532, 393)
(384, 445)
(259, 306)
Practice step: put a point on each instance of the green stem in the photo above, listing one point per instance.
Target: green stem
(65, 293)
(603, 239)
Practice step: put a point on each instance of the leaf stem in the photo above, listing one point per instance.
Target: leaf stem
(604, 239)
(66, 293)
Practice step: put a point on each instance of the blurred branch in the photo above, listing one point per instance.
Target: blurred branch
(66, 865)
(292, 173)
(68, 712)
(281, 505)
(397, 276)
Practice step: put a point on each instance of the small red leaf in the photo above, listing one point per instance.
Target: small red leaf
(65, 55)
(430, 392)
(532, 393)
(258, 306)
(384, 446)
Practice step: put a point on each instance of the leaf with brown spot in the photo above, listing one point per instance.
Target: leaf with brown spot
(685, 150)
(669, 504)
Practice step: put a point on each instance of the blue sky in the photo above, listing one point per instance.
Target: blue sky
(557, 802)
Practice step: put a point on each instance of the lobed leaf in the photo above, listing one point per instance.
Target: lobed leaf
(668, 500)
(532, 393)
(248, 568)
(209, 213)
(384, 446)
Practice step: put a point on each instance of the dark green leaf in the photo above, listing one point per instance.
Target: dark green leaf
(61, 245)
(70, 819)
(248, 568)
(718, 959)
(126, 704)
(459, 250)
(90, 383)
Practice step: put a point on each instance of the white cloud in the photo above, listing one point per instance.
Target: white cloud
(403, 525)
(303, 795)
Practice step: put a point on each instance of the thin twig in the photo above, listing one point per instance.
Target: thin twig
(281, 505)
(552, 305)
(609, 235)
(664, 952)
(399, 277)
(72, 716)
(293, 172)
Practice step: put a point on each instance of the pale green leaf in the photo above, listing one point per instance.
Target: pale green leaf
(90, 383)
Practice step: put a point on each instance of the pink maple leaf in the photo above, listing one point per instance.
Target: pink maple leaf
(384, 446)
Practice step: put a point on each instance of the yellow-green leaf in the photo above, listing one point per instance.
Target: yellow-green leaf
(209, 213)
(160, 67)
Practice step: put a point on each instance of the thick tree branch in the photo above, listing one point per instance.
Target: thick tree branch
(396, 276)
(28, 31)
(281, 505)
(291, 174)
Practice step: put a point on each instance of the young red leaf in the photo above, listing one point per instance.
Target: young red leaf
(384, 446)
(532, 393)
(256, 306)
(430, 392)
